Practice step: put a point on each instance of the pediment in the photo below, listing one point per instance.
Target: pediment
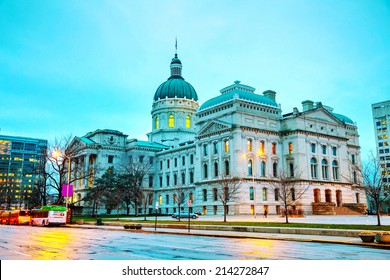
(213, 127)
(322, 115)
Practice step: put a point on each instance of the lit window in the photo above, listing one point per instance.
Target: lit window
(290, 148)
(262, 150)
(226, 146)
(249, 145)
(188, 122)
(156, 123)
(171, 121)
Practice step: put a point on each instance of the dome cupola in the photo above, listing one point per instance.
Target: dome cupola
(175, 86)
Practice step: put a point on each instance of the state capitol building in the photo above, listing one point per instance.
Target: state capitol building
(239, 133)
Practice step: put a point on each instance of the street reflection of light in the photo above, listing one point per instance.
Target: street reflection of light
(56, 244)
(258, 248)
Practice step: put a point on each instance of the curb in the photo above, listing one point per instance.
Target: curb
(236, 234)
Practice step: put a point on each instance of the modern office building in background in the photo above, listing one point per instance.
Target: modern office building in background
(381, 117)
(19, 159)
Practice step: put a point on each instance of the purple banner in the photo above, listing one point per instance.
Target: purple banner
(67, 190)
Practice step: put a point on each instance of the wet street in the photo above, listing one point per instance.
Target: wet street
(61, 243)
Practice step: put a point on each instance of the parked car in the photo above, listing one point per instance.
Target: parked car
(185, 215)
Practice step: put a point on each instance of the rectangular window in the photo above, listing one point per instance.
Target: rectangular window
(110, 159)
(183, 160)
(168, 163)
(215, 147)
(191, 159)
(313, 148)
(161, 182)
(175, 161)
(323, 147)
(251, 194)
(141, 159)
(150, 181)
(150, 160)
(205, 150)
(265, 194)
(262, 148)
(274, 148)
(168, 180)
(215, 194)
(204, 195)
(249, 145)
(161, 165)
(226, 146)
(334, 151)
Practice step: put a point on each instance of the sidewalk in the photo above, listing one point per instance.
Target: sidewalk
(346, 237)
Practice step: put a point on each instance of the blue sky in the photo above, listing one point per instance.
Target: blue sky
(71, 67)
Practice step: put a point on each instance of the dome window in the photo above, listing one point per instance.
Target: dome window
(171, 121)
(188, 122)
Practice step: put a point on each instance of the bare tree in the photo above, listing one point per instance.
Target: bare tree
(227, 189)
(179, 195)
(60, 156)
(288, 188)
(133, 175)
(371, 182)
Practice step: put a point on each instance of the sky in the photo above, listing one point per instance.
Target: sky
(70, 67)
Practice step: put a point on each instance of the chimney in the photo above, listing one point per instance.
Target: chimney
(270, 94)
(307, 105)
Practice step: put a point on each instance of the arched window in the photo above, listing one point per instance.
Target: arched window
(313, 166)
(156, 123)
(250, 166)
(188, 122)
(262, 169)
(335, 169)
(325, 174)
(160, 200)
(328, 195)
(317, 195)
(171, 121)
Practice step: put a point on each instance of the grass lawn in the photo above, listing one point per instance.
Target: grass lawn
(128, 220)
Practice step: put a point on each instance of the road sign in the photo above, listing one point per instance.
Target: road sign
(67, 190)
(189, 203)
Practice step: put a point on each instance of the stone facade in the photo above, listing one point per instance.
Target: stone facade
(238, 134)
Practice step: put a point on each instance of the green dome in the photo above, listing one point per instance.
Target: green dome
(241, 94)
(175, 87)
(343, 118)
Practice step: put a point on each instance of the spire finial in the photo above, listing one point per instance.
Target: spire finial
(176, 48)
